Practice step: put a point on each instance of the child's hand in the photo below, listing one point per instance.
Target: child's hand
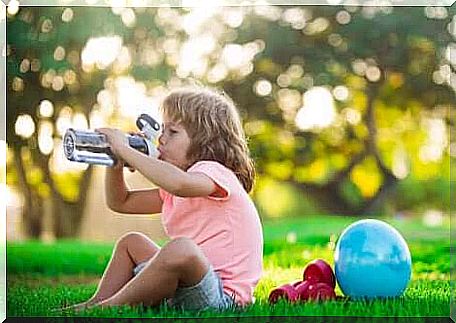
(139, 134)
(116, 139)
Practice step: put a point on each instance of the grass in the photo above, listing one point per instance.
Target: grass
(41, 277)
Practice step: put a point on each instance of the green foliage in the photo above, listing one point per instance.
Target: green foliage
(275, 199)
(419, 194)
(403, 46)
(351, 193)
(68, 185)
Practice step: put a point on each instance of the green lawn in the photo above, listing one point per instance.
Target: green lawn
(41, 277)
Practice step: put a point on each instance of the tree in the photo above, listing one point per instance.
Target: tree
(388, 70)
(43, 65)
(46, 67)
(389, 59)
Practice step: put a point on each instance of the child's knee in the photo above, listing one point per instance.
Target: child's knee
(184, 246)
(181, 252)
(130, 238)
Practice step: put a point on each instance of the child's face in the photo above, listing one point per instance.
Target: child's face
(174, 143)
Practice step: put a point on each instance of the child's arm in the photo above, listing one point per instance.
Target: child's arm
(120, 199)
(169, 177)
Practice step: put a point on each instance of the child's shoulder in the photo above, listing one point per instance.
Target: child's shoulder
(210, 166)
(207, 164)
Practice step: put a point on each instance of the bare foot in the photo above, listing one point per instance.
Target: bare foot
(75, 307)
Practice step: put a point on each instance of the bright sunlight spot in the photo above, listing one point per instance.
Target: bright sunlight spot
(101, 51)
(400, 167)
(67, 15)
(318, 110)
(292, 237)
(341, 93)
(132, 98)
(436, 141)
(24, 126)
(46, 109)
(12, 198)
(45, 141)
(351, 115)
(433, 218)
(13, 7)
(59, 164)
(64, 120)
(80, 121)
(262, 87)
(193, 55)
(198, 18)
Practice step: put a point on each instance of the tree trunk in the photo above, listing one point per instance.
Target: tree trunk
(329, 196)
(33, 205)
(67, 215)
(373, 204)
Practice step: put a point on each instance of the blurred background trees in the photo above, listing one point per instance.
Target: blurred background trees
(348, 110)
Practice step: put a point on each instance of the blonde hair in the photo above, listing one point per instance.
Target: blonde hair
(214, 127)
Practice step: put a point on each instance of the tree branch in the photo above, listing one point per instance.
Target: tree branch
(342, 174)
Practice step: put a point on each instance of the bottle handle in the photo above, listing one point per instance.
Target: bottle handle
(144, 120)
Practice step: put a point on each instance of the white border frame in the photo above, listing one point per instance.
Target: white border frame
(183, 3)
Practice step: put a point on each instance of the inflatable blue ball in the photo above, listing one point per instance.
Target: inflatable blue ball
(372, 260)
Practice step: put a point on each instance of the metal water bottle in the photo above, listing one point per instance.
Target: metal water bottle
(93, 148)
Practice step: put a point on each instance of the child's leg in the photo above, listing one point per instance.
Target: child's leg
(180, 263)
(130, 250)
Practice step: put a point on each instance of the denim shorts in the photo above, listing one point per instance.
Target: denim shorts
(207, 294)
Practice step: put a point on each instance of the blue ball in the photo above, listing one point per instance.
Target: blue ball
(372, 260)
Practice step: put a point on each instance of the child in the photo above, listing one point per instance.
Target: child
(204, 174)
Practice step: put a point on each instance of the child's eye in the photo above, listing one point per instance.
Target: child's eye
(172, 131)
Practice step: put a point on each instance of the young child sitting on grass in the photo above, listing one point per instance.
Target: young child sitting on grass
(204, 174)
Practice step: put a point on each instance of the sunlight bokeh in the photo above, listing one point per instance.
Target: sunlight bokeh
(64, 120)
(193, 55)
(131, 98)
(433, 218)
(100, 52)
(45, 140)
(303, 85)
(13, 7)
(318, 110)
(46, 109)
(436, 141)
(24, 126)
(401, 163)
(59, 164)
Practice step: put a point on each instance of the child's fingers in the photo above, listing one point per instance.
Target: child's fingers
(139, 133)
(103, 130)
